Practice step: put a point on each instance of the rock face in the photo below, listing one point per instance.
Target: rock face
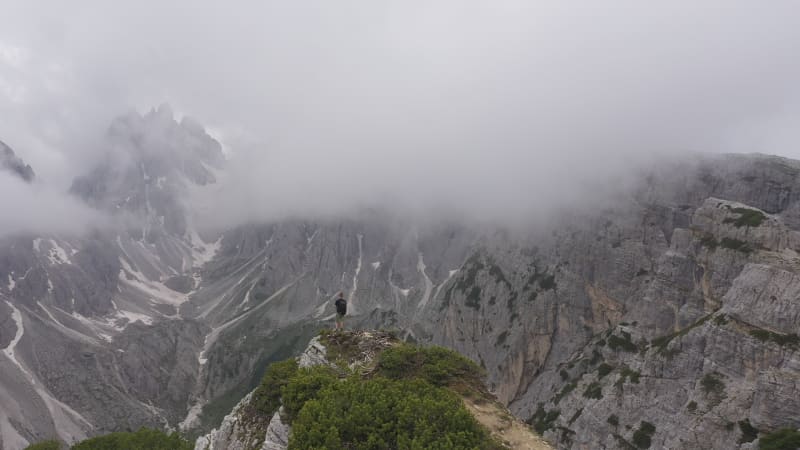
(9, 161)
(688, 280)
(237, 433)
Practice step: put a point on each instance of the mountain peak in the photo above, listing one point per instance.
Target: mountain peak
(11, 162)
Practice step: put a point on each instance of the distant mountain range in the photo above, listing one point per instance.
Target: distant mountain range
(667, 317)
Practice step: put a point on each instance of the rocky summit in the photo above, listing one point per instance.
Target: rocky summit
(666, 317)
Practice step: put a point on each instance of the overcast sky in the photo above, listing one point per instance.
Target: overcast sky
(326, 103)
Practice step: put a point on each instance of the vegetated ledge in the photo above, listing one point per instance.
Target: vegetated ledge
(367, 389)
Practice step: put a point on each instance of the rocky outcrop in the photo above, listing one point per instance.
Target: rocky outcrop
(705, 250)
(9, 161)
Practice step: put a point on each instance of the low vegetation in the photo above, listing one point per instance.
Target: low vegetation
(384, 413)
(749, 432)
(44, 445)
(783, 439)
(643, 436)
(623, 343)
(543, 420)
(144, 438)
(712, 384)
(593, 390)
(747, 218)
(788, 340)
(408, 397)
(267, 396)
(627, 374)
(735, 244)
(661, 343)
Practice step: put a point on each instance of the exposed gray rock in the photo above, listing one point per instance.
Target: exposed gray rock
(277, 433)
(9, 161)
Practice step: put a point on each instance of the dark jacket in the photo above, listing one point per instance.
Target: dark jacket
(341, 306)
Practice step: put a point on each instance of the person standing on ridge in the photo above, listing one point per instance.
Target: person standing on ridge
(341, 310)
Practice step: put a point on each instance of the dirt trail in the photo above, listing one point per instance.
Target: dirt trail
(508, 429)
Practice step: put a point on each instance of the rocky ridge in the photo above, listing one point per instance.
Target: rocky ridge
(692, 251)
(239, 431)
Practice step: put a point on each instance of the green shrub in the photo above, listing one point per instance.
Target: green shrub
(709, 241)
(712, 384)
(627, 374)
(603, 370)
(613, 420)
(692, 406)
(747, 218)
(788, 340)
(662, 342)
(569, 387)
(45, 445)
(735, 244)
(749, 432)
(575, 416)
(642, 436)
(543, 420)
(783, 439)
(594, 390)
(564, 374)
(267, 396)
(305, 385)
(382, 413)
(622, 343)
(142, 439)
(436, 365)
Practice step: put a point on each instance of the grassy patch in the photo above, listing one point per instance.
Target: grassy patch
(603, 370)
(788, 340)
(594, 390)
(735, 244)
(662, 342)
(627, 374)
(44, 445)
(747, 218)
(749, 432)
(712, 384)
(721, 320)
(623, 343)
(709, 241)
(436, 365)
(783, 439)
(144, 438)
(642, 436)
(542, 420)
(569, 387)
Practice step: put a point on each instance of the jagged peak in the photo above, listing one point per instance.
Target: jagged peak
(9, 161)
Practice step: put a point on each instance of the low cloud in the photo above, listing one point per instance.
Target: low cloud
(39, 209)
(490, 109)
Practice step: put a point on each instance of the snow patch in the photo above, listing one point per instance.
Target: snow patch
(57, 255)
(37, 243)
(428, 283)
(452, 272)
(11, 283)
(11, 348)
(376, 265)
(202, 252)
(355, 276)
(157, 291)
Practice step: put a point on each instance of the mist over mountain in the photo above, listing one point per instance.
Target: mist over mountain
(599, 205)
